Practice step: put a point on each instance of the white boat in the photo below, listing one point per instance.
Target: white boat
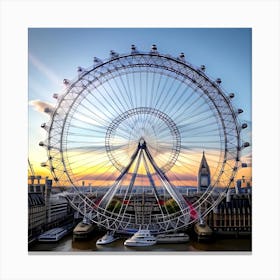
(106, 239)
(141, 238)
(53, 235)
(173, 238)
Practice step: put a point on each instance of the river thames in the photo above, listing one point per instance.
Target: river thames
(220, 244)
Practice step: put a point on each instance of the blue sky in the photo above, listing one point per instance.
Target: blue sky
(226, 53)
(55, 54)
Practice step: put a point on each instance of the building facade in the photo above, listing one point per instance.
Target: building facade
(232, 215)
(36, 214)
(46, 210)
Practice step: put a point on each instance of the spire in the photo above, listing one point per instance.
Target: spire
(204, 175)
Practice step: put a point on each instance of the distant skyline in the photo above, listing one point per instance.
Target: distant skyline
(55, 54)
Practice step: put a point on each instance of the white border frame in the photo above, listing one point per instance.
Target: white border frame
(17, 16)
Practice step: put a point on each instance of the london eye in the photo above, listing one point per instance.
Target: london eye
(135, 126)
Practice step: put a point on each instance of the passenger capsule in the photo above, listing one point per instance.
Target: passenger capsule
(79, 69)
(231, 95)
(43, 125)
(202, 67)
(239, 111)
(97, 60)
(114, 54)
(244, 125)
(43, 164)
(47, 110)
(246, 144)
(154, 48)
(181, 57)
(55, 96)
(41, 143)
(218, 81)
(66, 82)
(133, 49)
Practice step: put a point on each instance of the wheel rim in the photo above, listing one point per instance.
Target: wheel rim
(127, 93)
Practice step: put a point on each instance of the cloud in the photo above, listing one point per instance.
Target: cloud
(42, 106)
(44, 69)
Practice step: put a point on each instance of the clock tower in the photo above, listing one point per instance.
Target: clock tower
(204, 176)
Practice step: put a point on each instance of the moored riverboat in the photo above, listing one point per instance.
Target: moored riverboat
(203, 231)
(141, 238)
(173, 238)
(109, 237)
(53, 235)
(83, 230)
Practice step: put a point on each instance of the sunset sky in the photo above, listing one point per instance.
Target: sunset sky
(55, 54)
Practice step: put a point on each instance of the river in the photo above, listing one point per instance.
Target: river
(218, 244)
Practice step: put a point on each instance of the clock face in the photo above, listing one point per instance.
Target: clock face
(204, 181)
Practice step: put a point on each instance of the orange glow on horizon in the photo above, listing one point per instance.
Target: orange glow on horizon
(104, 175)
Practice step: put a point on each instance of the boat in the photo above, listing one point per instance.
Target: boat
(173, 238)
(53, 235)
(83, 230)
(203, 231)
(107, 238)
(141, 238)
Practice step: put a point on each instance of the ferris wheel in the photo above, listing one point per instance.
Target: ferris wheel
(136, 125)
